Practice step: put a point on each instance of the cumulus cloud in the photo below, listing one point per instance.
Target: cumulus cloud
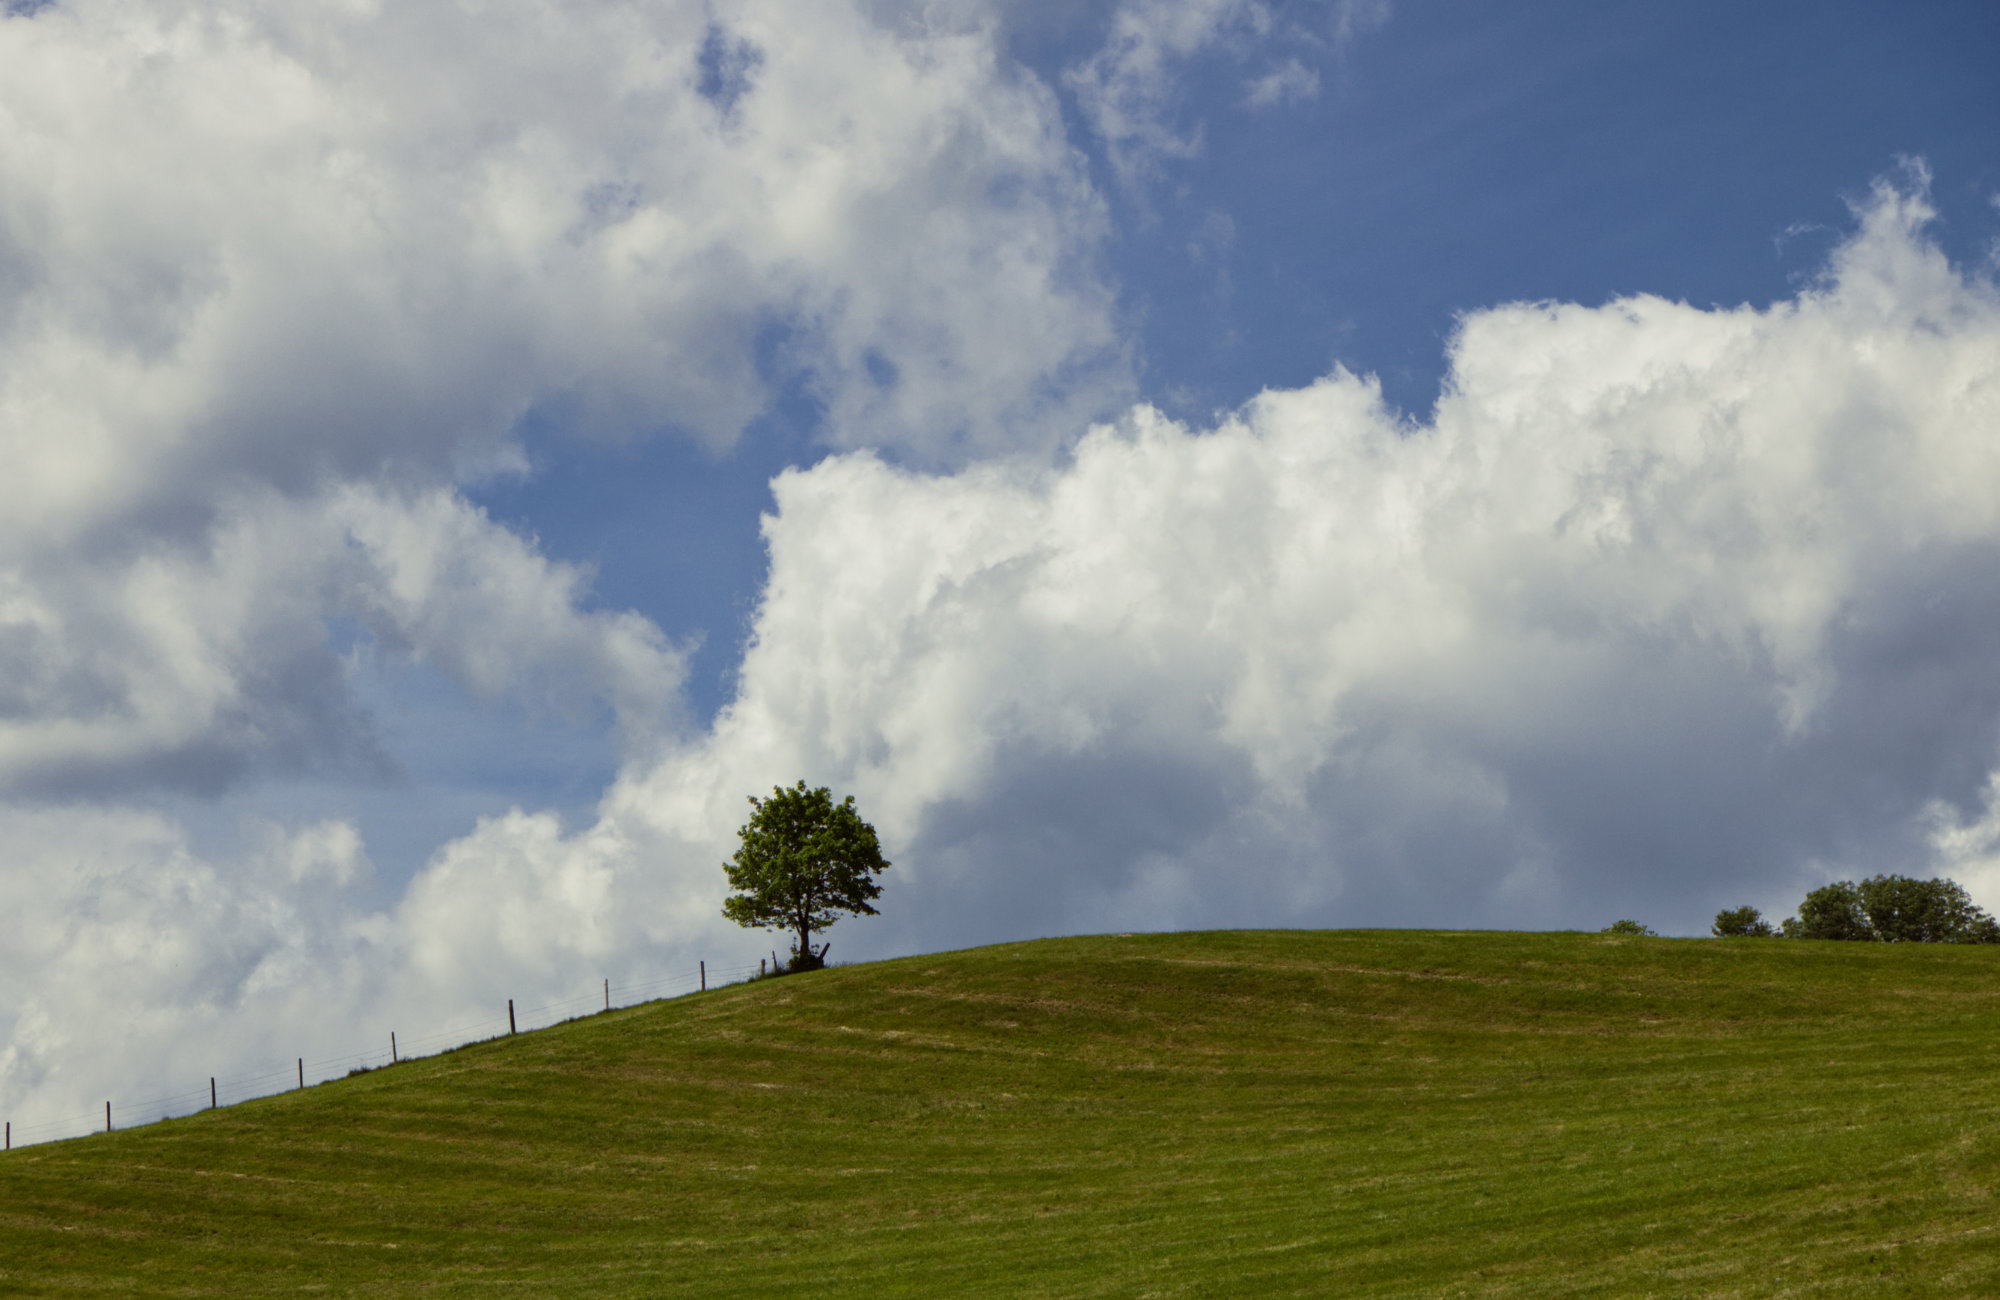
(274, 281)
(1662, 609)
(181, 667)
(130, 953)
(277, 284)
(303, 242)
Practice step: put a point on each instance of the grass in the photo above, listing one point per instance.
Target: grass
(1258, 1114)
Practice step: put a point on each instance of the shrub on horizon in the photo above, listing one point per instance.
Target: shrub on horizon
(1741, 923)
(1629, 927)
(1893, 909)
(1830, 912)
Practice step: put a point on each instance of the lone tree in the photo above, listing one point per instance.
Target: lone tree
(804, 859)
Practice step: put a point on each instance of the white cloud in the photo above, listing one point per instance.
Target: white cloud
(1289, 82)
(1666, 606)
(134, 965)
(1666, 609)
(273, 280)
(294, 242)
(1128, 89)
(183, 666)
(1132, 89)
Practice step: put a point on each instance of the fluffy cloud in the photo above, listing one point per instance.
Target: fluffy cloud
(180, 667)
(1663, 609)
(134, 961)
(302, 242)
(276, 284)
(272, 282)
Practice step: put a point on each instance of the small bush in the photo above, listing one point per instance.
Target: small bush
(1741, 923)
(1629, 927)
(1831, 912)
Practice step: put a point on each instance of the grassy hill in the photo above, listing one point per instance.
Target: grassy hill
(1270, 1113)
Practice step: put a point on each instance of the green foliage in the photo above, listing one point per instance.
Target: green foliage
(1830, 912)
(1741, 923)
(1893, 909)
(1902, 910)
(1629, 927)
(1361, 1114)
(803, 861)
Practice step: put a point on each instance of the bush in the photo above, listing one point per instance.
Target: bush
(1830, 912)
(1893, 909)
(1902, 910)
(1629, 927)
(1741, 923)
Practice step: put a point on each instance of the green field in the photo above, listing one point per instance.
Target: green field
(1262, 1113)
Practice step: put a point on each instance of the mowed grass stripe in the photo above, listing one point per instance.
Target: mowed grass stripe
(1268, 1113)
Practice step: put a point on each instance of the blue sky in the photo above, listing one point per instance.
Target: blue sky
(1216, 462)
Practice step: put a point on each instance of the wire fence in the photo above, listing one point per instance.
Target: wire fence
(303, 1072)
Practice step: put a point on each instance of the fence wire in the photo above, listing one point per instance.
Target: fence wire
(308, 1071)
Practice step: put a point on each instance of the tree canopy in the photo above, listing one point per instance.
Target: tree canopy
(803, 861)
(1741, 923)
(1893, 909)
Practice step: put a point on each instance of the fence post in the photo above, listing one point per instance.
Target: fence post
(302, 1072)
(107, 1117)
(211, 1092)
(510, 1016)
(607, 993)
(393, 1058)
(10, 1135)
(704, 977)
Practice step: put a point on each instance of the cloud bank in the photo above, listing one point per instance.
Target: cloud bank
(1665, 608)
(1662, 608)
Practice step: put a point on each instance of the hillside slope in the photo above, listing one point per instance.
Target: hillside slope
(1267, 1113)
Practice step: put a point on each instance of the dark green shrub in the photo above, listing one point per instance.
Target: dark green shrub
(1741, 923)
(1903, 910)
(1893, 909)
(1830, 912)
(1627, 927)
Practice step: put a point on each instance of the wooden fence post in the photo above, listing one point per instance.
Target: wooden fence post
(392, 1047)
(607, 993)
(704, 977)
(107, 1117)
(211, 1092)
(510, 1016)
(10, 1135)
(302, 1072)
